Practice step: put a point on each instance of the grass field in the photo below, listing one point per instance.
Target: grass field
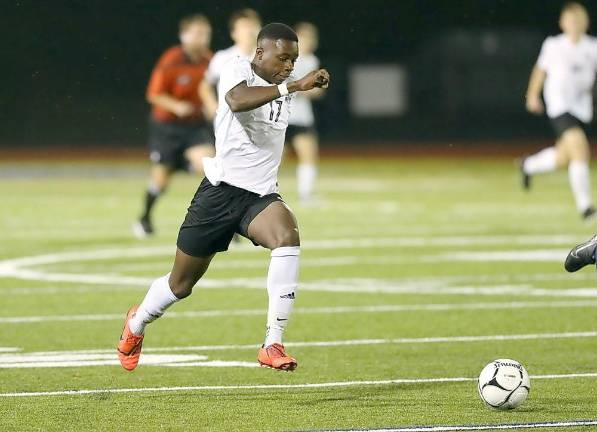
(415, 274)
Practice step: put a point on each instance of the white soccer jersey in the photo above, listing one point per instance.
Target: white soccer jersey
(302, 110)
(220, 58)
(248, 144)
(570, 72)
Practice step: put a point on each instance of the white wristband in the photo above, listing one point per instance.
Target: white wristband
(283, 89)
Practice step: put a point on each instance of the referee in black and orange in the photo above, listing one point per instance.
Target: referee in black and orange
(179, 135)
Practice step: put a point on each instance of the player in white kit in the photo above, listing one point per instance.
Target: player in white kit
(565, 70)
(240, 194)
(244, 26)
(301, 131)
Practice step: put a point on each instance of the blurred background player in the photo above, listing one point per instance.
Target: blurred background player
(244, 26)
(179, 136)
(565, 70)
(301, 132)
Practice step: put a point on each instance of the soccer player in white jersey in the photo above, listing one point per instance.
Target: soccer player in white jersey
(301, 131)
(240, 194)
(244, 26)
(565, 71)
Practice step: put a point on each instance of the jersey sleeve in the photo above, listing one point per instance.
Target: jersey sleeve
(544, 58)
(233, 74)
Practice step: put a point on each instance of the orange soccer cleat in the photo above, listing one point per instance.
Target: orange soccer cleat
(129, 346)
(274, 356)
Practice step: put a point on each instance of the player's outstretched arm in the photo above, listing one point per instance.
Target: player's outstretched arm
(245, 98)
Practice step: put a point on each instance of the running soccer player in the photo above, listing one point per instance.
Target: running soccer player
(301, 132)
(244, 26)
(240, 194)
(179, 136)
(566, 71)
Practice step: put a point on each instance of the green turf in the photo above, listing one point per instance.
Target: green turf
(431, 232)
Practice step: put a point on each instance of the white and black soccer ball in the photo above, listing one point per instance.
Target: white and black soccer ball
(504, 384)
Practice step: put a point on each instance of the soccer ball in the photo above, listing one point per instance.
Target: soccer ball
(504, 384)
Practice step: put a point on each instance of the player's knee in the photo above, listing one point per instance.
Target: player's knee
(182, 286)
(287, 237)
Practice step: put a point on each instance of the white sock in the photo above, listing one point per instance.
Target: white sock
(282, 283)
(159, 298)
(306, 176)
(542, 162)
(578, 175)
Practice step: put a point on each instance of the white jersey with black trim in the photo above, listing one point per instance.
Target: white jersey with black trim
(302, 109)
(249, 144)
(570, 70)
(219, 60)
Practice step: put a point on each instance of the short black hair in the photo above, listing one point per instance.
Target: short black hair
(275, 31)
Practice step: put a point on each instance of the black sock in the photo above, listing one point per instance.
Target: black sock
(151, 197)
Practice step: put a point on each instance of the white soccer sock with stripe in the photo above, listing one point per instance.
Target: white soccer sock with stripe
(282, 283)
(578, 175)
(542, 162)
(159, 298)
(306, 175)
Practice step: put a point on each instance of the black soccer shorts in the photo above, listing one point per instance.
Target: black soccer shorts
(566, 121)
(216, 213)
(169, 141)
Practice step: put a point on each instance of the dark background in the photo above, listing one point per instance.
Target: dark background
(75, 71)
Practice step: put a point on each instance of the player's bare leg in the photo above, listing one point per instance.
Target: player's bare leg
(276, 229)
(159, 180)
(576, 146)
(307, 151)
(196, 154)
(163, 293)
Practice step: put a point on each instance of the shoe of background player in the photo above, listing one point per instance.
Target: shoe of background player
(525, 178)
(581, 255)
(129, 346)
(143, 228)
(274, 356)
(589, 214)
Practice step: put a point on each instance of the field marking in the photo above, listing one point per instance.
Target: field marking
(481, 279)
(352, 342)
(540, 255)
(437, 307)
(536, 425)
(75, 359)
(306, 386)
(17, 267)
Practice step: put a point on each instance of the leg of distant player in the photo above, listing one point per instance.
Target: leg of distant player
(307, 149)
(547, 160)
(574, 142)
(276, 229)
(195, 155)
(159, 180)
(163, 293)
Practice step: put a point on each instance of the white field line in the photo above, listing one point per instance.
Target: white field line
(504, 426)
(480, 279)
(75, 359)
(306, 386)
(355, 285)
(379, 242)
(437, 307)
(351, 342)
